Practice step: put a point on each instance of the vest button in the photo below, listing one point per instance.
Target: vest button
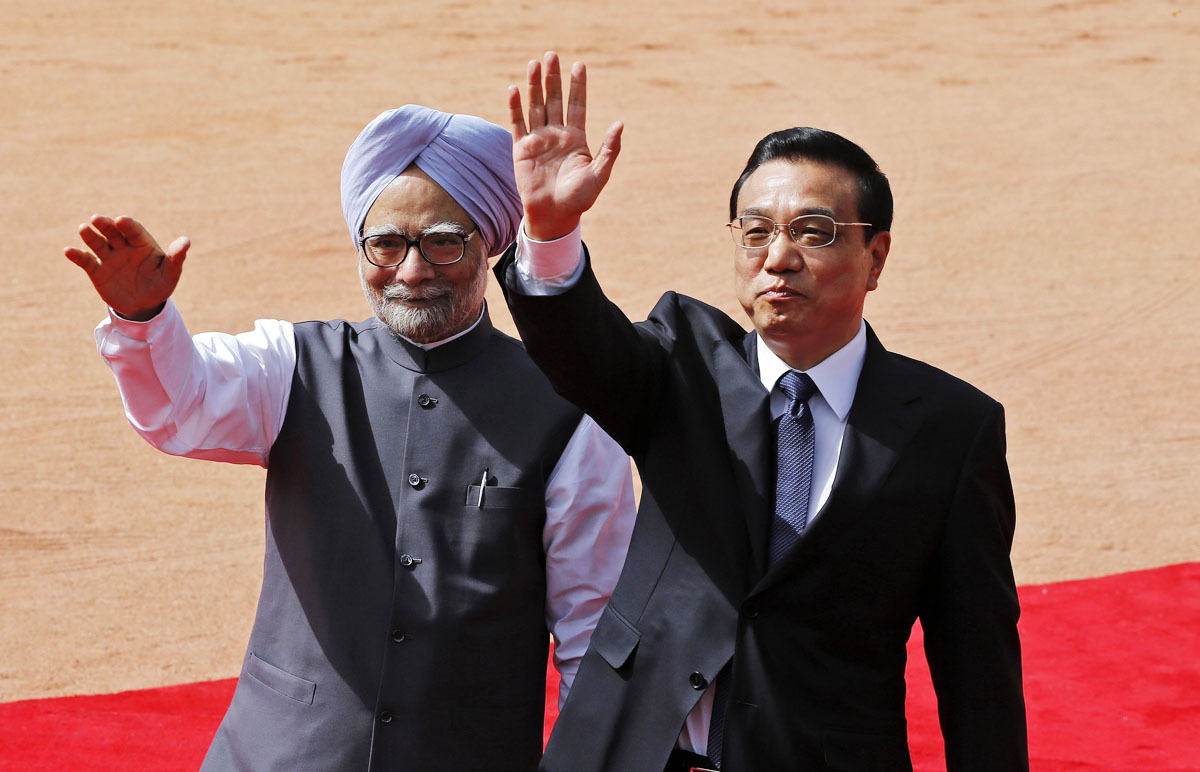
(397, 636)
(697, 681)
(414, 480)
(426, 401)
(385, 717)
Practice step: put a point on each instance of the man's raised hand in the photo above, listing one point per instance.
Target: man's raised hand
(557, 175)
(132, 274)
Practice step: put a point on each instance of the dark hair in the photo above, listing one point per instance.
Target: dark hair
(808, 144)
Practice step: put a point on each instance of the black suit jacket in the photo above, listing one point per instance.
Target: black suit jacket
(919, 524)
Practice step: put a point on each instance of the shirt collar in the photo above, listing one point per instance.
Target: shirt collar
(431, 358)
(836, 376)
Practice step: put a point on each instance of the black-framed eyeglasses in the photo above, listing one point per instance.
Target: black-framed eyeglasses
(387, 250)
(808, 230)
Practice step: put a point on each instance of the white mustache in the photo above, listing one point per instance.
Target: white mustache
(404, 292)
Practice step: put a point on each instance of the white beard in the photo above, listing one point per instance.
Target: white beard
(454, 308)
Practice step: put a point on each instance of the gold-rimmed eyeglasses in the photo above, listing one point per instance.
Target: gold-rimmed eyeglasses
(807, 230)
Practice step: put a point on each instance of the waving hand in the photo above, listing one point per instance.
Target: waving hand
(557, 175)
(131, 273)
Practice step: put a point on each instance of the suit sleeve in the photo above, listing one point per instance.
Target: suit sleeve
(969, 615)
(590, 351)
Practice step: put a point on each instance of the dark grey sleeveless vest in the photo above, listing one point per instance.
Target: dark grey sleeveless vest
(401, 624)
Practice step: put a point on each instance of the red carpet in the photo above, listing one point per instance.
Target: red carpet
(1112, 676)
(1112, 684)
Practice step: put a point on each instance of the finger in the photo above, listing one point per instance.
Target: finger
(85, 260)
(134, 233)
(537, 107)
(606, 156)
(108, 230)
(516, 117)
(554, 98)
(176, 254)
(94, 241)
(577, 101)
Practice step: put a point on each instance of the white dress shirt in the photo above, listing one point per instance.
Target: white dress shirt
(224, 397)
(836, 377)
(551, 267)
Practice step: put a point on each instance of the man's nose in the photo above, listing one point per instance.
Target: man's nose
(783, 254)
(415, 268)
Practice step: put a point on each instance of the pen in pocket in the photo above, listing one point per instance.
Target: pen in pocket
(482, 483)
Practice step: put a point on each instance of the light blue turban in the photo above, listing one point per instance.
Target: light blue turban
(469, 157)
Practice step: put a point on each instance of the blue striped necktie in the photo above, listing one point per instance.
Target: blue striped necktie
(795, 446)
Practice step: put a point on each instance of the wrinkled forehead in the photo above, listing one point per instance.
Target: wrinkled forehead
(414, 200)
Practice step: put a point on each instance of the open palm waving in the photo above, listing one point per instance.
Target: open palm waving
(557, 175)
(131, 273)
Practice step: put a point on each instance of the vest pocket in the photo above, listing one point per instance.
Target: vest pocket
(498, 497)
(281, 681)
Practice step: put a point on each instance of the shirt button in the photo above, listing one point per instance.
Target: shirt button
(414, 479)
(397, 636)
(385, 717)
(697, 681)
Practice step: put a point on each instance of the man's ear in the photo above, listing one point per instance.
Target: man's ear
(877, 252)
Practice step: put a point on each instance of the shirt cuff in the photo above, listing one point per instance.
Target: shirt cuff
(548, 267)
(135, 330)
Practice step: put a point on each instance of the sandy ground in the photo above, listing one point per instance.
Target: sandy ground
(1045, 159)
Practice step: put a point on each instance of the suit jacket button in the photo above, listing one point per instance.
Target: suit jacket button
(426, 401)
(697, 681)
(408, 561)
(414, 480)
(385, 717)
(750, 611)
(398, 636)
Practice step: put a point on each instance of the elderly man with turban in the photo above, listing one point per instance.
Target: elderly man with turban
(432, 505)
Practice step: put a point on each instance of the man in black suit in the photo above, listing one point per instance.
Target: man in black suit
(807, 495)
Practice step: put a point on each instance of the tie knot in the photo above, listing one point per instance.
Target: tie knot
(797, 386)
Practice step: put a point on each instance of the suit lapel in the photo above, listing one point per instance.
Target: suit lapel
(746, 412)
(880, 424)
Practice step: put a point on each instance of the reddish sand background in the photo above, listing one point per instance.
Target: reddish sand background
(1045, 159)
